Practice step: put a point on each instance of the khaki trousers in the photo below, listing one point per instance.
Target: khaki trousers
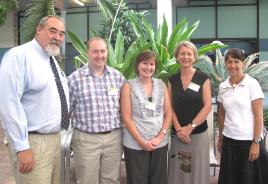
(97, 157)
(47, 155)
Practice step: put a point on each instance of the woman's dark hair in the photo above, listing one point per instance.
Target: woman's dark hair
(235, 53)
(144, 56)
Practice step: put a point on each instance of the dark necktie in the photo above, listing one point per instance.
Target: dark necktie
(64, 109)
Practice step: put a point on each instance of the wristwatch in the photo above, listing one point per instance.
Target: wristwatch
(164, 131)
(193, 125)
(257, 141)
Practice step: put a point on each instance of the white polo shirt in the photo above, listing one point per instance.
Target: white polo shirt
(239, 120)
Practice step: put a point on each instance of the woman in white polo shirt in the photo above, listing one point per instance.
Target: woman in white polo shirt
(240, 117)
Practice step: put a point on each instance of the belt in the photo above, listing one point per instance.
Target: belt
(35, 132)
(105, 132)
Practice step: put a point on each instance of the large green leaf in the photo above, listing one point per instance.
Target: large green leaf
(172, 66)
(186, 35)
(5, 7)
(162, 57)
(119, 48)
(111, 56)
(79, 61)
(176, 34)
(220, 66)
(36, 9)
(106, 8)
(78, 44)
(137, 26)
(128, 69)
(210, 47)
(248, 61)
(162, 33)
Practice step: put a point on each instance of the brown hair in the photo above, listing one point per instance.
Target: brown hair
(93, 39)
(235, 53)
(144, 56)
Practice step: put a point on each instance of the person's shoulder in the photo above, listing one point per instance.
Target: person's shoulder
(248, 80)
(174, 76)
(17, 54)
(77, 73)
(114, 71)
(224, 83)
(159, 81)
(201, 74)
(19, 50)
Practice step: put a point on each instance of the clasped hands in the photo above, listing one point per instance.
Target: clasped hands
(151, 144)
(184, 133)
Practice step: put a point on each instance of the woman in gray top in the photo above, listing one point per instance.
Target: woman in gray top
(146, 112)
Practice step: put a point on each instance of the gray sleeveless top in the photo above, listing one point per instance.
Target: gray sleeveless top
(148, 122)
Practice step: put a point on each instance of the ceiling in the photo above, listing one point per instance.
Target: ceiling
(153, 2)
(60, 3)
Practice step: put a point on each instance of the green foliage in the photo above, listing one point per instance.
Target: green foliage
(116, 19)
(218, 72)
(265, 118)
(36, 9)
(5, 7)
(163, 45)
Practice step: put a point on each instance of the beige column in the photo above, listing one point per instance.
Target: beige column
(164, 8)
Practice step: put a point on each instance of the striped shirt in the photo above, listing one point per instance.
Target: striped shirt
(94, 101)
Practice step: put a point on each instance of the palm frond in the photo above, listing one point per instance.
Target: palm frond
(108, 11)
(248, 61)
(36, 9)
(5, 7)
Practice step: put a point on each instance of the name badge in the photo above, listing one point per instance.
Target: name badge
(113, 91)
(150, 105)
(194, 87)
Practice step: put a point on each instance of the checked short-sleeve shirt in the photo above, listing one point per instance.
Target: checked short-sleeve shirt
(94, 101)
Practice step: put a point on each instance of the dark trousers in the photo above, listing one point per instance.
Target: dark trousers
(235, 167)
(146, 167)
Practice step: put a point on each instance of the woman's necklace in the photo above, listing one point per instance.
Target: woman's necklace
(234, 84)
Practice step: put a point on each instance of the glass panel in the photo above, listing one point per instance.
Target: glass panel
(77, 23)
(206, 15)
(222, 2)
(237, 22)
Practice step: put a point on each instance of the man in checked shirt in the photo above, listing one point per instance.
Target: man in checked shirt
(94, 107)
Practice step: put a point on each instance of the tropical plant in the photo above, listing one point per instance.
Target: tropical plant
(5, 7)
(218, 72)
(115, 19)
(160, 43)
(36, 9)
(163, 44)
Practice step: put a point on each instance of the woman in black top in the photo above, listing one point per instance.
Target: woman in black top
(191, 99)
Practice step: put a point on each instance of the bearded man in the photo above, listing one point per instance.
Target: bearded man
(33, 104)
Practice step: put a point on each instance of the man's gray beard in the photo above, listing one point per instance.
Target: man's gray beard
(52, 50)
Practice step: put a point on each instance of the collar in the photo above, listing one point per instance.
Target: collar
(89, 71)
(226, 83)
(37, 46)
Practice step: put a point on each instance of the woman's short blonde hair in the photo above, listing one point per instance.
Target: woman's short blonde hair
(187, 44)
